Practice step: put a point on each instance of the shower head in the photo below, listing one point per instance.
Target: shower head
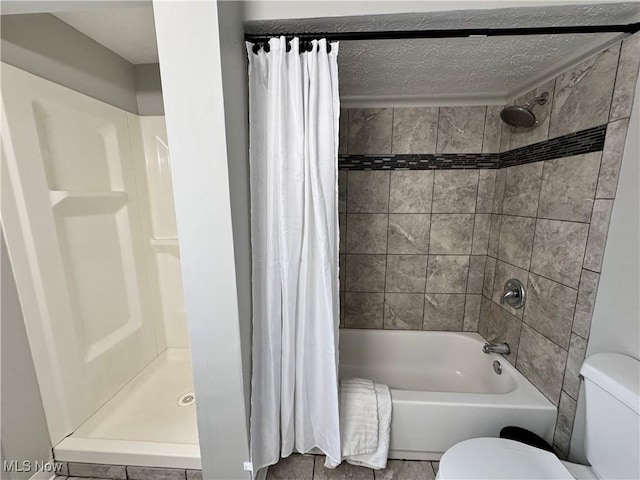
(518, 116)
(522, 116)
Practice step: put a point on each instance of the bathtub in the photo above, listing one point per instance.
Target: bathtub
(444, 389)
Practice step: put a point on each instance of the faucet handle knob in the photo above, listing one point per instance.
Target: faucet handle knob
(509, 294)
(514, 293)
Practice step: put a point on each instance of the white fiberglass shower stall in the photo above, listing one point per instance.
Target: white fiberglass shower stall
(88, 213)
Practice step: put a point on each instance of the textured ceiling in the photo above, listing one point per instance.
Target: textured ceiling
(130, 31)
(455, 70)
(586, 14)
(458, 70)
(435, 69)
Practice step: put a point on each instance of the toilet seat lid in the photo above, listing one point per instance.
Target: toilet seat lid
(499, 458)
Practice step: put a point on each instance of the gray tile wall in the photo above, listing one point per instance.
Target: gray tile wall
(413, 243)
(379, 131)
(549, 228)
(432, 249)
(415, 248)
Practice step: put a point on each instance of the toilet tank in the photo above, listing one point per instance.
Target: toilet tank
(612, 436)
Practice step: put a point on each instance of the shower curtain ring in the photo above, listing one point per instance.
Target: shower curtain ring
(288, 45)
(266, 46)
(256, 48)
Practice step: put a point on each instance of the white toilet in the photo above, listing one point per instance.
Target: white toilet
(612, 436)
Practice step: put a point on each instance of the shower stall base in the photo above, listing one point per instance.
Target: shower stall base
(151, 422)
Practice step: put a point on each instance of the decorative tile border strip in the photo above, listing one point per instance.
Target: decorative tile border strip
(578, 143)
(585, 141)
(420, 161)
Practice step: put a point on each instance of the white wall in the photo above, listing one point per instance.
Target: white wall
(49, 48)
(148, 89)
(192, 83)
(616, 317)
(24, 427)
(13, 7)
(46, 46)
(236, 103)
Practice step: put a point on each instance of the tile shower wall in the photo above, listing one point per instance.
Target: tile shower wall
(549, 227)
(414, 243)
(432, 249)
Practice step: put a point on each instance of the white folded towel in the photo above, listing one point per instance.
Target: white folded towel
(358, 416)
(365, 423)
(378, 458)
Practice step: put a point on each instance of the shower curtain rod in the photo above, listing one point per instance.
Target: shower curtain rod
(447, 33)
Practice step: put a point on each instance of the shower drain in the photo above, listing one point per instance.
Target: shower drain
(186, 399)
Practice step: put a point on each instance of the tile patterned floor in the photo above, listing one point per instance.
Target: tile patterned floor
(95, 471)
(295, 467)
(311, 467)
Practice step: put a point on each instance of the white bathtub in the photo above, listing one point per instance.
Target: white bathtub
(443, 389)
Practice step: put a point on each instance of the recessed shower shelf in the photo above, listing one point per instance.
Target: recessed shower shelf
(166, 245)
(94, 202)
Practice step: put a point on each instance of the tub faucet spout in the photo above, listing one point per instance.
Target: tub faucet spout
(502, 348)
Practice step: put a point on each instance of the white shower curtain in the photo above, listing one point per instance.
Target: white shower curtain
(294, 112)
